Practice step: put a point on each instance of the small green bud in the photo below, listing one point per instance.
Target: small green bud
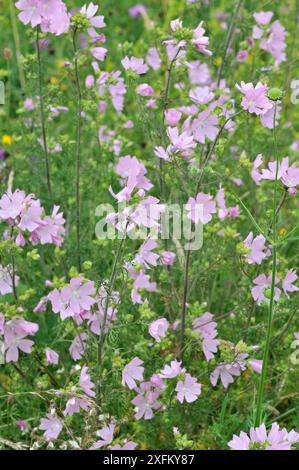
(275, 94)
(87, 265)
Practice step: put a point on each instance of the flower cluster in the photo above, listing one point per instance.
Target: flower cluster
(25, 215)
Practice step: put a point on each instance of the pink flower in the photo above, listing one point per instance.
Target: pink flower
(135, 64)
(85, 383)
(270, 174)
(200, 40)
(131, 372)
(146, 402)
(52, 357)
(172, 116)
(242, 55)
(128, 445)
(173, 370)
(255, 174)
(15, 332)
(145, 255)
(263, 17)
(201, 95)
(52, 427)
(256, 365)
(207, 329)
(180, 142)
(145, 90)
(74, 405)
(153, 58)
(287, 283)
(31, 12)
(205, 125)
(240, 442)
(291, 177)
(99, 53)
(6, 284)
(226, 372)
(157, 329)
(167, 258)
(95, 21)
(188, 390)
(106, 433)
(12, 204)
(263, 282)
(275, 439)
(255, 99)
(160, 152)
(52, 15)
(78, 346)
(137, 10)
(258, 250)
(267, 119)
(76, 296)
(274, 42)
(201, 208)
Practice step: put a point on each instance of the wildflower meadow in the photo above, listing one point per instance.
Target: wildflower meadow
(149, 159)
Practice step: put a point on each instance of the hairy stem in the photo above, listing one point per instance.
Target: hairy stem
(78, 155)
(42, 114)
(109, 293)
(228, 40)
(261, 389)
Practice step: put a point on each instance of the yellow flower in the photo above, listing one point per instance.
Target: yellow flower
(6, 139)
(282, 232)
(54, 81)
(218, 61)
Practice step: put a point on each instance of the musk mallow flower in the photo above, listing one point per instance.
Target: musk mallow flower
(260, 439)
(262, 283)
(157, 329)
(201, 208)
(207, 330)
(257, 250)
(180, 142)
(89, 11)
(172, 370)
(52, 427)
(146, 402)
(255, 98)
(106, 434)
(188, 390)
(172, 116)
(263, 17)
(145, 255)
(255, 173)
(226, 373)
(52, 357)
(135, 64)
(78, 346)
(288, 282)
(270, 173)
(52, 15)
(131, 372)
(74, 405)
(153, 58)
(85, 383)
(144, 89)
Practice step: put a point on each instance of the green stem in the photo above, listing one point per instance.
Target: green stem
(261, 389)
(16, 38)
(109, 293)
(78, 155)
(42, 114)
